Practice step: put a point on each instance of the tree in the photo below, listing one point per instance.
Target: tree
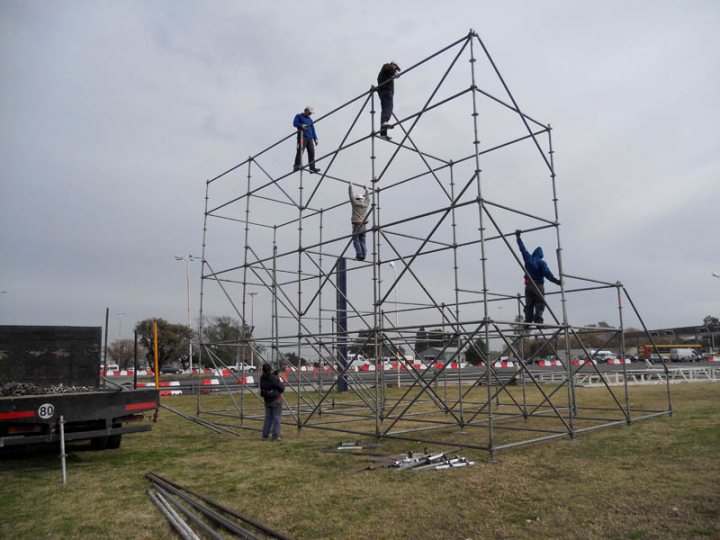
(173, 341)
(601, 324)
(294, 360)
(365, 345)
(230, 340)
(123, 352)
(711, 323)
(421, 340)
(476, 351)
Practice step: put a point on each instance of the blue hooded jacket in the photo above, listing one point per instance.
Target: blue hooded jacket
(300, 120)
(536, 267)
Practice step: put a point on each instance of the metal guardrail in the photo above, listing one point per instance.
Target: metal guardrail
(636, 376)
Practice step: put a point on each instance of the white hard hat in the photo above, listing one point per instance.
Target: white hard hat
(309, 109)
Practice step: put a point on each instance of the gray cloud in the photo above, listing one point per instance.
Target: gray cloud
(115, 114)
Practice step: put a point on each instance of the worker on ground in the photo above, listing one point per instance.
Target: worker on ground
(271, 390)
(386, 90)
(359, 211)
(536, 271)
(306, 138)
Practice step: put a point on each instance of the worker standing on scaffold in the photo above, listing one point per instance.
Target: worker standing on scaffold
(536, 271)
(359, 211)
(386, 91)
(306, 138)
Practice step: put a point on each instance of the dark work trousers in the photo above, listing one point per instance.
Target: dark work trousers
(359, 240)
(303, 143)
(534, 303)
(273, 416)
(386, 104)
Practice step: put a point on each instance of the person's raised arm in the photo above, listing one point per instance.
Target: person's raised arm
(523, 251)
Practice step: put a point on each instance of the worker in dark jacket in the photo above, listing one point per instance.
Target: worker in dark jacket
(359, 211)
(271, 390)
(536, 272)
(386, 91)
(306, 138)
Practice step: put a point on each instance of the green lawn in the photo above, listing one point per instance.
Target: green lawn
(658, 478)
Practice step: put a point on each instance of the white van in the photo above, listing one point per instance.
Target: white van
(357, 361)
(678, 355)
(602, 356)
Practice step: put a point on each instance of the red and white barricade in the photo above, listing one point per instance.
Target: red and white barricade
(578, 362)
(549, 363)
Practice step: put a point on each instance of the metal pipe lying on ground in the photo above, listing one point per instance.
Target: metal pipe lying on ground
(193, 517)
(173, 518)
(176, 487)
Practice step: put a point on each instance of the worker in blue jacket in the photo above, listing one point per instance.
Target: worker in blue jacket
(306, 138)
(536, 271)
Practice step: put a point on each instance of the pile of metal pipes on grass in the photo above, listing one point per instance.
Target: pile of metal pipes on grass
(438, 462)
(191, 513)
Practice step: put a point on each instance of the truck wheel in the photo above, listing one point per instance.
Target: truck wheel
(99, 443)
(113, 441)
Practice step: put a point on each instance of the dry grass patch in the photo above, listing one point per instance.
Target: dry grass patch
(656, 479)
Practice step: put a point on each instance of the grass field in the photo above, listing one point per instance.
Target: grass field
(658, 478)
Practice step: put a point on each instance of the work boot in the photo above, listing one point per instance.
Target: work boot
(385, 127)
(314, 170)
(296, 168)
(385, 137)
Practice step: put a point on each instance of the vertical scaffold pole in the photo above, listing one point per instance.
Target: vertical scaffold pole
(299, 291)
(457, 296)
(243, 334)
(623, 353)
(572, 404)
(377, 309)
(246, 250)
(202, 287)
(320, 309)
(275, 328)
(481, 228)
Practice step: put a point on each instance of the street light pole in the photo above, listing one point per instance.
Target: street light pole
(120, 316)
(712, 333)
(188, 259)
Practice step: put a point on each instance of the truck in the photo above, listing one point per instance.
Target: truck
(51, 374)
(682, 354)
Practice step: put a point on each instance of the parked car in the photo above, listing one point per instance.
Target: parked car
(602, 356)
(242, 366)
(655, 358)
(170, 370)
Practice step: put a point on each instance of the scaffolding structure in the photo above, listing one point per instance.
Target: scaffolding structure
(463, 172)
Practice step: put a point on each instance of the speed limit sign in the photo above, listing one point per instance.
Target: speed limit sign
(46, 411)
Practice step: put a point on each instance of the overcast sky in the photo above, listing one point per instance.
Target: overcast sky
(114, 115)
